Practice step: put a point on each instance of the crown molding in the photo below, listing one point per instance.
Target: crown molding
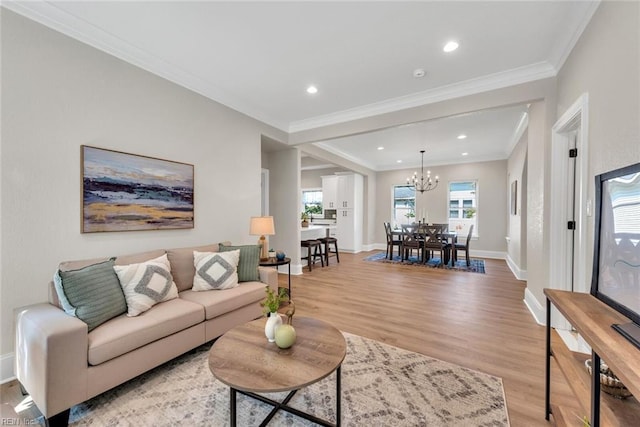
(559, 57)
(538, 71)
(51, 16)
(517, 133)
(344, 155)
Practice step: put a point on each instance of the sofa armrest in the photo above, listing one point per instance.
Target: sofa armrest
(269, 275)
(51, 357)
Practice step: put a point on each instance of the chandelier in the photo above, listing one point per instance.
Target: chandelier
(424, 183)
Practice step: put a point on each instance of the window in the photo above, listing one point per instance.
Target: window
(463, 207)
(404, 205)
(312, 201)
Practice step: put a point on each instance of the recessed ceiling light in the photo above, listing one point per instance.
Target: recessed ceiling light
(312, 89)
(465, 154)
(380, 148)
(462, 136)
(399, 161)
(450, 46)
(418, 73)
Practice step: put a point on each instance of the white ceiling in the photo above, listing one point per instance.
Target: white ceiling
(259, 57)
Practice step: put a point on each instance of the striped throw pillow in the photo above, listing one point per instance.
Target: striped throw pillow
(92, 294)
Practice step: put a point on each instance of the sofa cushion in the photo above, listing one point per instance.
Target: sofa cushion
(92, 293)
(146, 284)
(124, 334)
(217, 303)
(120, 260)
(249, 260)
(182, 268)
(215, 270)
(139, 257)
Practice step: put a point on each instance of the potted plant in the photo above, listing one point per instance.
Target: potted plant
(304, 216)
(272, 253)
(272, 301)
(270, 306)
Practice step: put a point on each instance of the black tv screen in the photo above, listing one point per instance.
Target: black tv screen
(616, 266)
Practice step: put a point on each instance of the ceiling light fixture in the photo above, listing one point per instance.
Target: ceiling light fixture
(418, 73)
(398, 161)
(450, 46)
(465, 154)
(312, 90)
(423, 184)
(380, 148)
(462, 136)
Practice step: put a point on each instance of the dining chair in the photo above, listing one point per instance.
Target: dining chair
(392, 241)
(445, 227)
(434, 241)
(412, 239)
(464, 247)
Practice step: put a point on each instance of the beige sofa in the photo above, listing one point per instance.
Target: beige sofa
(61, 364)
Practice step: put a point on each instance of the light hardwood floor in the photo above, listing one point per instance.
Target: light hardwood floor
(475, 320)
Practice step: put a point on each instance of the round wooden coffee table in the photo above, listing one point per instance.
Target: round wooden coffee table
(244, 360)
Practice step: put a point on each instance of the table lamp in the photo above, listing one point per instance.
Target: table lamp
(261, 226)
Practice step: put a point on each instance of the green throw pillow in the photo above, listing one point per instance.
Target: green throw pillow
(92, 294)
(249, 259)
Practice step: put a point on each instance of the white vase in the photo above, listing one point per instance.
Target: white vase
(273, 321)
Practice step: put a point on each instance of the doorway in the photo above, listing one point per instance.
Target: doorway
(570, 205)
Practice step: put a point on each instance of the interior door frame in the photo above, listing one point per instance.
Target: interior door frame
(575, 119)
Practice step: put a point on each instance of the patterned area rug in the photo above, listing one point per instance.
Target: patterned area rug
(477, 265)
(381, 385)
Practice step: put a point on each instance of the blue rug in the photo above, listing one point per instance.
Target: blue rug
(477, 265)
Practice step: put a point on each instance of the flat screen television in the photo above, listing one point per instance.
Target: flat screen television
(616, 263)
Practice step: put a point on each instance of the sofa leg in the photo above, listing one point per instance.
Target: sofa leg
(59, 420)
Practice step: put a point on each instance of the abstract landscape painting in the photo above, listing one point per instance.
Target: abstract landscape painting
(126, 192)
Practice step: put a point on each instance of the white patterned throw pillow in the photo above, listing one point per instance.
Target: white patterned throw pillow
(215, 270)
(146, 284)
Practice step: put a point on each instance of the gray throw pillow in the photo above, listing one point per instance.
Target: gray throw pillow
(92, 294)
(249, 260)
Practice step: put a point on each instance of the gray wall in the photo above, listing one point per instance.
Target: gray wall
(516, 171)
(58, 94)
(284, 202)
(605, 63)
(313, 178)
(492, 199)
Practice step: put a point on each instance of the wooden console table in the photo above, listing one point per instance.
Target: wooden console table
(592, 319)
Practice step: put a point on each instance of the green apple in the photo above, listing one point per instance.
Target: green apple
(285, 336)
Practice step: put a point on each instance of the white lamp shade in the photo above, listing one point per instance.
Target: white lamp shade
(262, 226)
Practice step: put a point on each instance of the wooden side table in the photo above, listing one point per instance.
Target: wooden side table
(275, 262)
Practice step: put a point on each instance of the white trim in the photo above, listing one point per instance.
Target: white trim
(517, 271)
(561, 56)
(534, 306)
(575, 118)
(516, 76)
(472, 253)
(7, 362)
(574, 342)
(521, 128)
(48, 14)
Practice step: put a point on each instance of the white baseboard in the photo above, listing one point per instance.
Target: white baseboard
(517, 271)
(534, 306)
(574, 342)
(473, 253)
(6, 368)
(487, 254)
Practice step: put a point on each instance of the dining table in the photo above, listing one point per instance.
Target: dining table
(451, 236)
